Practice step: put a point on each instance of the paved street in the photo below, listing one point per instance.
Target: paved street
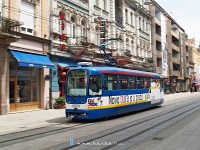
(14, 122)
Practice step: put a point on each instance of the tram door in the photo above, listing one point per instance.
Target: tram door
(12, 94)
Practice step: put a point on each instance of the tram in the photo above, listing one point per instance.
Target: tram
(102, 92)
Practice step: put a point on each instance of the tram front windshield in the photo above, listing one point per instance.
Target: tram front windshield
(77, 83)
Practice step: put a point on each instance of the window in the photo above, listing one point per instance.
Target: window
(55, 24)
(146, 82)
(97, 36)
(131, 18)
(97, 2)
(126, 12)
(132, 82)
(73, 27)
(110, 82)
(83, 29)
(105, 4)
(27, 17)
(123, 82)
(76, 84)
(140, 83)
(95, 87)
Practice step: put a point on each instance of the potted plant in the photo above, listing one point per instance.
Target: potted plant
(60, 103)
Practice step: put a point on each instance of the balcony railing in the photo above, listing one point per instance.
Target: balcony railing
(10, 26)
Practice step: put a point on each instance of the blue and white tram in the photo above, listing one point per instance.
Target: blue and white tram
(101, 92)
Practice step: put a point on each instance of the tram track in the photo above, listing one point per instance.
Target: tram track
(102, 139)
(28, 135)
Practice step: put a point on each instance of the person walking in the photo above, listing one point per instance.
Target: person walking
(193, 85)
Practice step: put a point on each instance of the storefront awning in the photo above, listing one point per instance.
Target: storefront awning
(65, 62)
(32, 60)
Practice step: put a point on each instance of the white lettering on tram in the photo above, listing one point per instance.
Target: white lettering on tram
(128, 98)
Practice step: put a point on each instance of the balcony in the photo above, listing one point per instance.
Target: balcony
(174, 34)
(175, 60)
(10, 26)
(175, 47)
(158, 70)
(158, 37)
(176, 73)
(159, 54)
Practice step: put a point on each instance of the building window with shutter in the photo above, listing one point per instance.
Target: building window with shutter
(27, 17)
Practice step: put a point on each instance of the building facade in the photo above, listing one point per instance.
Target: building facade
(79, 27)
(170, 50)
(24, 62)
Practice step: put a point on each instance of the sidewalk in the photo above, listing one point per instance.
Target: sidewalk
(19, 121)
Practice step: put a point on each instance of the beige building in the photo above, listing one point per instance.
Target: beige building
(170, 50)
(24, 64)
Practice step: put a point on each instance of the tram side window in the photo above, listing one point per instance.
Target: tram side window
(146, 82)
(95, 86)
(140, 83)
(110, 82)
(123, 82)
(132, 82)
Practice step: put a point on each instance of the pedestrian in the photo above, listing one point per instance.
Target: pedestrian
(193, 87)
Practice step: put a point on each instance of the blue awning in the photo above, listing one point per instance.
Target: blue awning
(66, 62)
(32, 60)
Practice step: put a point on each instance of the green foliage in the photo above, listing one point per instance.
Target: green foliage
(60, 100)
(59, 103)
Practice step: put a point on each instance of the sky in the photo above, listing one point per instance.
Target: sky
(186, 13)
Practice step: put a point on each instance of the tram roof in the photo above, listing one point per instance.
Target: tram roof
(121, 71)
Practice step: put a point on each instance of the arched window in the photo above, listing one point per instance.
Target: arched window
(73, 27)
(83, 29)
(126, 13)
(131, 14)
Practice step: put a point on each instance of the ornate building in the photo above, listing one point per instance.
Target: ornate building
(79, 27)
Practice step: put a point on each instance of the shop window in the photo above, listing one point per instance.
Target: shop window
(27, 83)
(24, 85)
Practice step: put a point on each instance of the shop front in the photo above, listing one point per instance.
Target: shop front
(26, 80)
(63, 64)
